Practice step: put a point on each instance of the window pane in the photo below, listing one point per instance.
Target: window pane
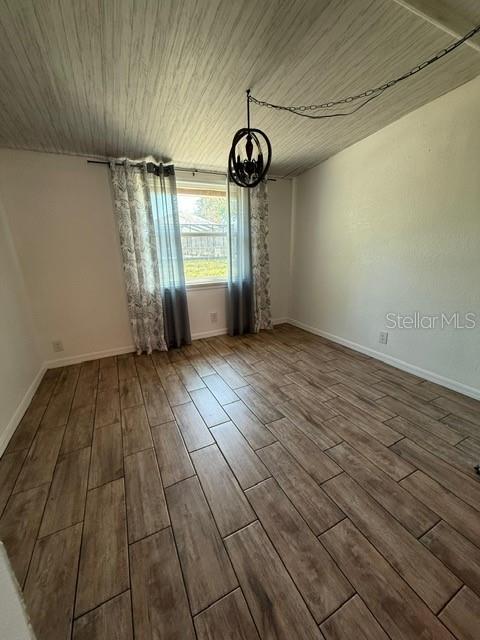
(203, 226)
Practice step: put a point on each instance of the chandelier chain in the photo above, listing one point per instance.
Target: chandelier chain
(369, 94)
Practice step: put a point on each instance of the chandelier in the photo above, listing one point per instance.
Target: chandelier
(247, 164)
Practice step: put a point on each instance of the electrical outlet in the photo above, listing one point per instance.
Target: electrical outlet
(213, 317)
(57, 345)
(383, 337)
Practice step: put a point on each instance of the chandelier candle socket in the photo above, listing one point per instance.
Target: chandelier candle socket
(247, 165)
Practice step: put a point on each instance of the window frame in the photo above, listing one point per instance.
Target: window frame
(210, 182)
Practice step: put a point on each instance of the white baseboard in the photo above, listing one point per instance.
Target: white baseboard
(84, 357)
(222, 332)
(20, 410)
(454, 385)
(95, 355)
(209, 334)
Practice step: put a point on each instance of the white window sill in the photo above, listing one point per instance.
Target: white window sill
(194, 286)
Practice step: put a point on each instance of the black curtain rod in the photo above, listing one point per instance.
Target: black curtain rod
(186, 169)
(139, 164)
(152, 167)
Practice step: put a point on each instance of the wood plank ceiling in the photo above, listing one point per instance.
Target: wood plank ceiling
(139, 77)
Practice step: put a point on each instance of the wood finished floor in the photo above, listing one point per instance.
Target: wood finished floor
(270, 486)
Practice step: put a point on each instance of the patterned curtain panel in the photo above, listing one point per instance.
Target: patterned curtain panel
(249, 270)
(260, 259)
(147, 218)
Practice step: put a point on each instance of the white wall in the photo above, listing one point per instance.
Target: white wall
(20, 361)
(392, 224)
(202, 301)
(61, 218)
(60, 212)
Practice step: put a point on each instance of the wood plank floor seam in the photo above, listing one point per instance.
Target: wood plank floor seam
(306, 523)
(219, 599)
(430, 529)
(366, 625)
(241, 590)
(100, 605)
(439, 613)
(226, 390)
(392, 496)
(175, 542)
(429, 577)
(83, 522)
(179, 564)
(289, 499)
(149, 535)
(308, 601)
(468, 472)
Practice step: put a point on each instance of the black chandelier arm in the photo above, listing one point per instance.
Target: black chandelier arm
(369, 94)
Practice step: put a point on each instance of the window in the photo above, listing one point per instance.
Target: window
(202, 209)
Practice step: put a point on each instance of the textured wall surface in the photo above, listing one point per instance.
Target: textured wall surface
(392, 224)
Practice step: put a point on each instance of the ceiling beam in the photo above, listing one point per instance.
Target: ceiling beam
(443, 15)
